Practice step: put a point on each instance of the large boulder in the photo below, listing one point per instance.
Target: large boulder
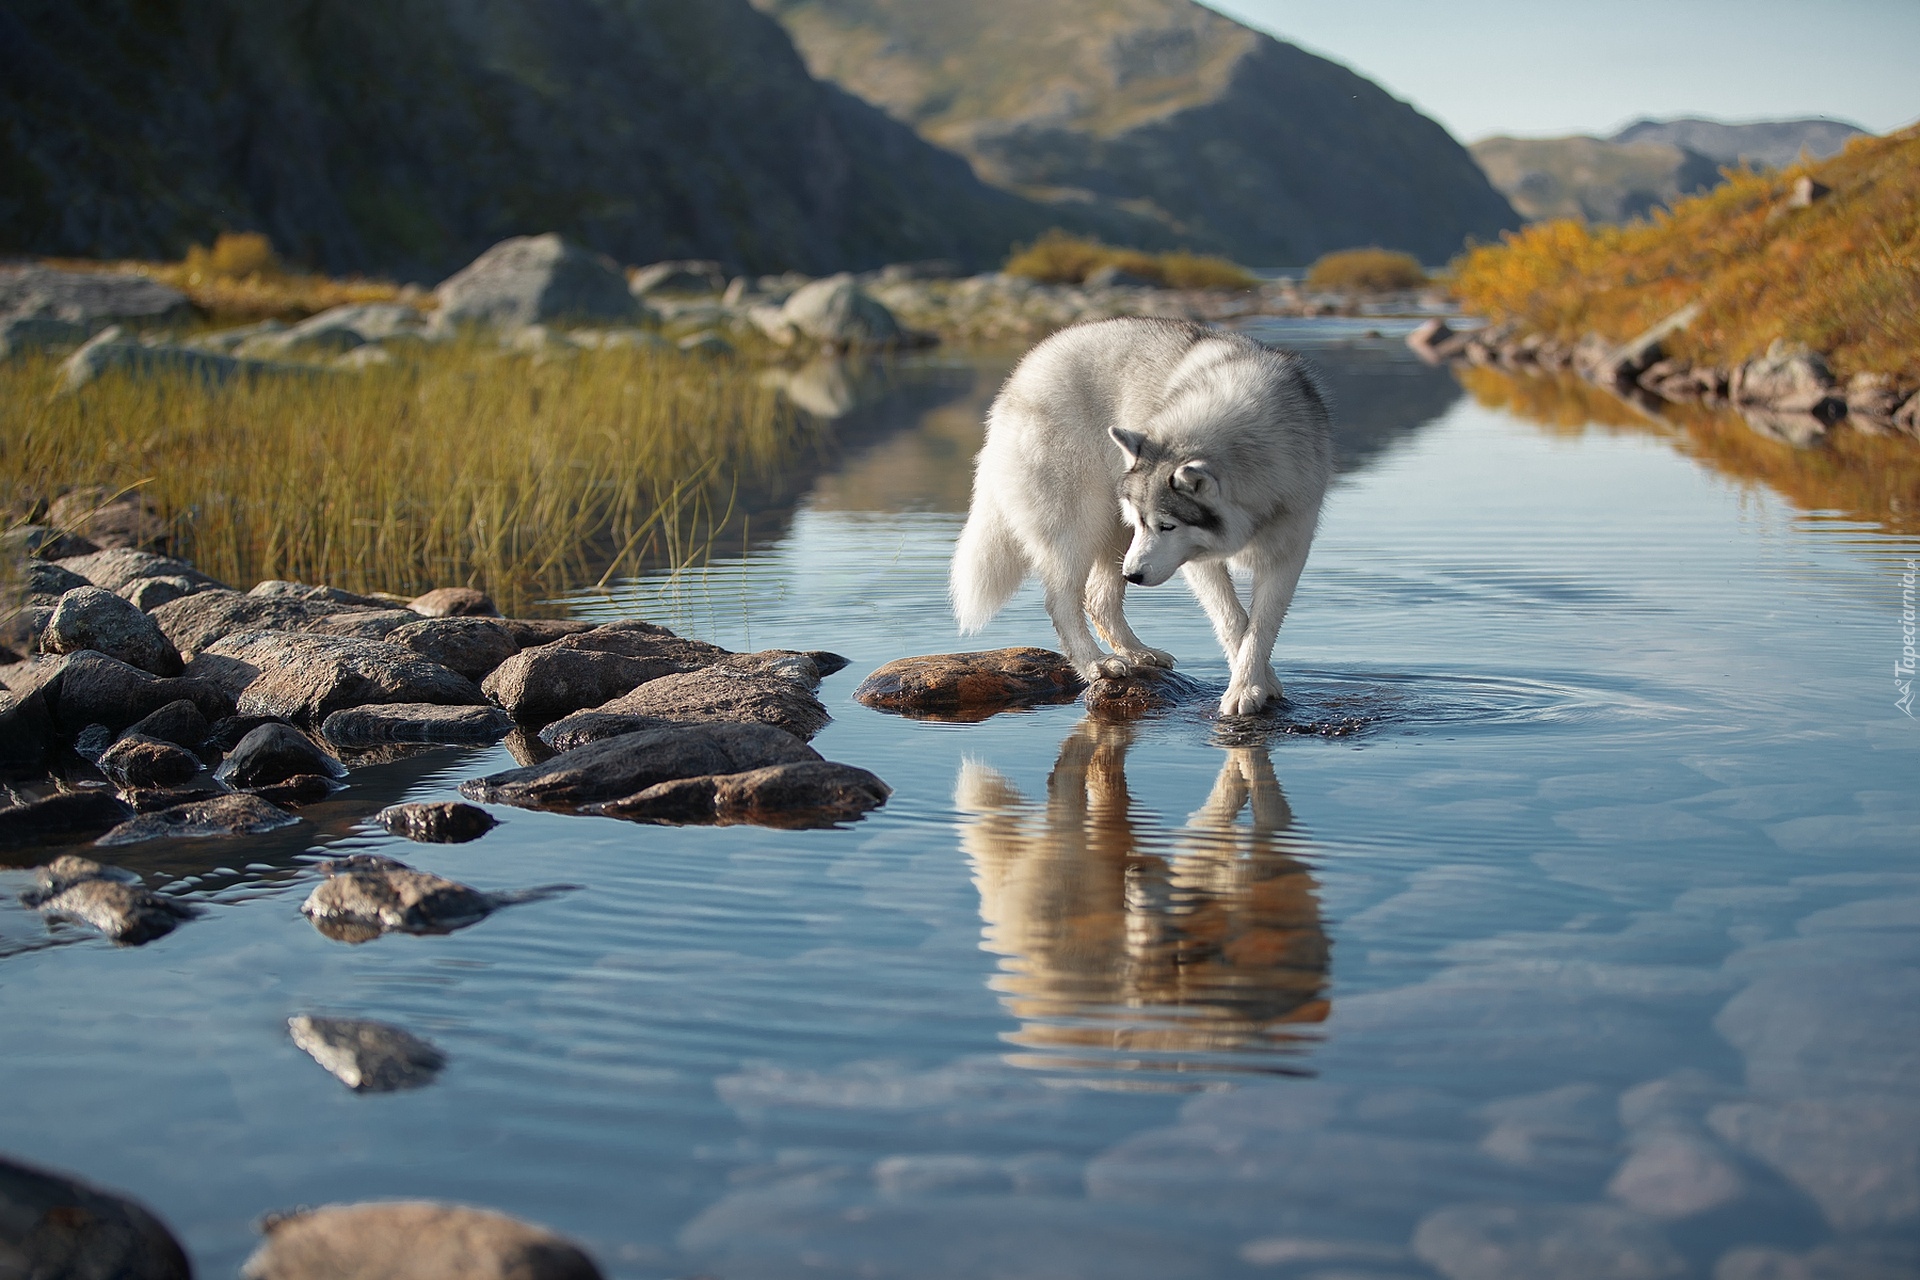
(67, 818)
(535, 280)
(336, 331)
(121, 566)
(412, 1240)
(272, 753)
(90, 298)
(539, 685)
(139, 763)
(834, 312)
(238, 814)
(622, 766)
(306, 678)
(470, 645)
(90, 688)
(179, 722)
(112, 352)
(196, 621)
(358, 728)
(970, 686)
(1788, 378)
(733, 690)
(54, 1226)
(90, 618)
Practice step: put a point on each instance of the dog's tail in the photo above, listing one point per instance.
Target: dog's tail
(988, 567)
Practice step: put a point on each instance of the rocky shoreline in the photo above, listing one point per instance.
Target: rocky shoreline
(1789, 393)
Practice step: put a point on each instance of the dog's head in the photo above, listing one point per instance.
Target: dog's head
(1171, 504)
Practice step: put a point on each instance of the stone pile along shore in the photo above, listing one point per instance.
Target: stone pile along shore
(1787, 394)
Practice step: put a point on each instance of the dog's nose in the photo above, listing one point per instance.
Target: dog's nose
(1135, 578)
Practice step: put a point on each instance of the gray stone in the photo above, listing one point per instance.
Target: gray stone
(807, 793)
(366, 895)
(90, 297)
(538, 686)
(111, 352)
(1859, 1160)
(44, 578)
(280, 588)
(1789, 378)
(1676, 1175)
(367, 1057)
(138, 763)
(534, 280)
(1526, 1242)
(836, 312)
(366, 624)
(441, 822)
(454, 602)
(111, 900)
(627, 765)
(148, 594)
(531, 633)
(380, 724)
(412, 1240)
(117, 567)
(20, 334)
(67, 818)
(274, 753)
(306, 678)
(232, 815)
(54, 1227)
(179, 722)
(90, 618)
(89, 688)
(729, 691)
(678, 276)
(473, 646)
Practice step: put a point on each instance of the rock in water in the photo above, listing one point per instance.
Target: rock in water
(138, 763)
(1568, 1242)
(442, 822)
(537, 686)
(274, 753)
(970, 686)
(415, 722)
(63, 819)
(631, 763)
(412, 1240)
(368, 1057)
(836, 312)
(722, 693)
(111, 900)
(306, 678)
(811, 793)
(1146, 691)
(535, 280)
(90, 618)
(53, 1226)
(366, 895)
(454, 602)
(232, 815)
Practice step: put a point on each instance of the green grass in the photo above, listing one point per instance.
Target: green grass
(463, 466)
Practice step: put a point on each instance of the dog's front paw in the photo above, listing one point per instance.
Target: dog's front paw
(1110, 668)
(1147, 658)
(1248, 699)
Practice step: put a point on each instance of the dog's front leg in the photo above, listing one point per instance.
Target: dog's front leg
(1253, 684)
(1212, 586)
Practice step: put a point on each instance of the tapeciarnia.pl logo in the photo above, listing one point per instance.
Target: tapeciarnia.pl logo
(1903, 668)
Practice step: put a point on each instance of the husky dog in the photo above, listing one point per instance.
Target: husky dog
(1122, 450)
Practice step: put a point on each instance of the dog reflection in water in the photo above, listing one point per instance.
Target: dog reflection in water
(1171, 948)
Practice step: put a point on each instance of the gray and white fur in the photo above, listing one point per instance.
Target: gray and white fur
(1120, 451)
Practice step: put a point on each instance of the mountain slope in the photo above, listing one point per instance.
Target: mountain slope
(1773, 144)
(1592, 179)
(407, 136)
(1232, 140)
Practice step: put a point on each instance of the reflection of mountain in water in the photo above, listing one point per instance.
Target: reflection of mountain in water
(1129, 944)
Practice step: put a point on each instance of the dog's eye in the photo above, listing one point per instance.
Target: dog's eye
(1168, 526)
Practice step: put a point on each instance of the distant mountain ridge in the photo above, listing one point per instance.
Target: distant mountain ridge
(1773, 144)
(1226, 138)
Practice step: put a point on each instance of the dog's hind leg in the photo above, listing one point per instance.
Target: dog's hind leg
(1106, 596)
(1066, 605)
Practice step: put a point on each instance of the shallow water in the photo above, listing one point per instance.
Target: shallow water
(1570, 904)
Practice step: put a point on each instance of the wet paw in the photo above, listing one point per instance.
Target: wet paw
(1248, 699)
(1110, 668)
(1147, 658)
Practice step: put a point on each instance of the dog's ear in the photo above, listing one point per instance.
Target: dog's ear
(1191, 477)
(1132, 444)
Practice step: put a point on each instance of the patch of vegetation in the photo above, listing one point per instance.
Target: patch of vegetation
(1366, 271)
(241, 278)
(1841, 275)
(462, 465)
(1059, 257)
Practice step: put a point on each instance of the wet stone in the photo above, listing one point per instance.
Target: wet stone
(111, 900)
(1142, 693)
(156, 799)
(415, 1240)
(137, 762)
(366, 895)
(1526, 1242)
(230, 815)
(454, 602)
(300, 789)
(179, 722)
(441, 822)
(68, 818)
(812, 793)
(93, 742)
(970, 686)
(306, 678)
(471, 646)
(538, 686)
(415, 722)
(733, 690)
(367, 1057)
(274, 753)
(629, 764)
(89, 618)
(53, 1226)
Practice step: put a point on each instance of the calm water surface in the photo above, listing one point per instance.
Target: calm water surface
(1571, 904)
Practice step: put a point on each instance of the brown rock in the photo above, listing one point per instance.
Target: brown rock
(368, 624)
(57, 1227)
(738, 694)
(306, 678)
(109, 518)
(111, 900)
(454, 602)
(239, 814)
(538, 686)
(114, 568)
(442, 822)
(367, 1057)
(366, 895)
(138, 762)
(626, 765)
(1140, 694)
(970, 686)
(1873, 395)
(90, 618)
(300, 789)
(809, 793)
(67, 818)
(412, 1240)
(471, 646)
(195, 622)
(1907, 416)
(358, 727)
(90, 688)
(530, 633)
(1789, 378)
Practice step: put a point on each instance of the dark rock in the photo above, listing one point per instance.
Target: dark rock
(810, 793)
(472, 646)
(90, 618)
(153, 801)
(230, 815)
(415, 1240)
(91, 688)
(534, 280)
(196, 621)
(1907, 416)
(114, 569)
(52, 1226)
(111, 900)
(718, 694)
(530, 633)
(148, 594)
(44, 578)
(68, 818)
(1525, 1242)
(273, 753)
(179, 722)
(300, 789)
(629, 764)
(367, 1057)
(415, 722)
(137, 763)
(970, 686)
(679, 276)
(826, 662)
(367, 624)
(21, 628)
(93, 742)
(1142, 693)
(537, 686)
(38, 333)
(109, 518)
(366, 895)
(45, 542)
(305, 678)
(227, 733)
(112, 351)
(441, 822)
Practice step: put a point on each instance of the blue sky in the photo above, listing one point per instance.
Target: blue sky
(1537, 68)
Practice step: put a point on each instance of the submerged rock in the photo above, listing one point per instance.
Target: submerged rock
(412, 1240)
(366, 895)
(1524, 1242)
(629, 764)
(153, 800)
(471, 646)
(300, 789)
(239, 814)
(970, 686)
(90, 618)
(111, 900)
(440, 822)
(724, 692)
(1142, 693)
(306, 678)
(55, 1227)
(810, 793)
(137, 762)
(68, 818)
(367, 1057)
(415, 722)
(454, 602)
(274, 753)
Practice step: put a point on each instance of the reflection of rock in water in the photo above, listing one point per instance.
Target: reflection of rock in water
(1121, 934)
(825, 387)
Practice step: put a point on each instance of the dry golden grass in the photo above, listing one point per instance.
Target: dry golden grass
(1841, 276)
(240, 278)
(464, 467)
(1366, 271)
(1060, 258)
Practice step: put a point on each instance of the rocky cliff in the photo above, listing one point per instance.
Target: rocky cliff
(404, 137)
(1228, 139)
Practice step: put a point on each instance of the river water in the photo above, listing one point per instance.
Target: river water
(1567, 921)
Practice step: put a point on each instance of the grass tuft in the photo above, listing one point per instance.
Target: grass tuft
(1366, 271)
(1058, 257)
